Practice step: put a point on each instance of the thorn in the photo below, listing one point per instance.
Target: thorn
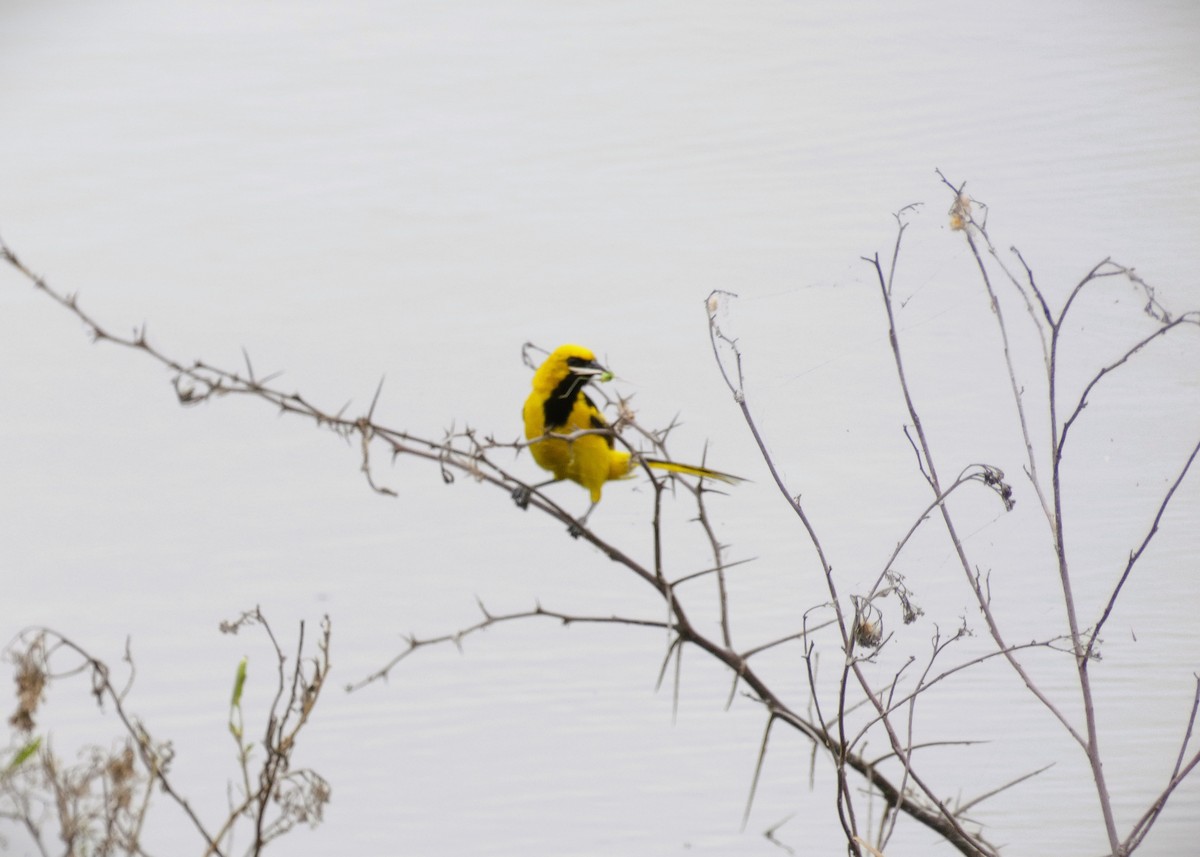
(375, 401)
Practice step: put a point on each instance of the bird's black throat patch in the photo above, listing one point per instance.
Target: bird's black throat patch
(556, 410)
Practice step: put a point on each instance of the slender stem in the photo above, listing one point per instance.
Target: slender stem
(1092, 744)
(1136, 555)
(946, 823)
(1018, 399)
(973, 580)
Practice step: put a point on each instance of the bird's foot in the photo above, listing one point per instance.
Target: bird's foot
(575, 530)
(521, 495)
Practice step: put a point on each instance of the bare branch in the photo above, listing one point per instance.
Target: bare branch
(1136, 555)
(490, 619)
(963, 807)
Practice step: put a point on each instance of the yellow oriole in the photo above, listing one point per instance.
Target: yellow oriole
(558, 405)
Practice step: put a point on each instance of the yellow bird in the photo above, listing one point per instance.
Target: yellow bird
(558, 405)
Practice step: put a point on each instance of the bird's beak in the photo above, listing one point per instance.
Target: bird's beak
(591, 369)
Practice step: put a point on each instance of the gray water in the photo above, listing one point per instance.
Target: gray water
(414, 190)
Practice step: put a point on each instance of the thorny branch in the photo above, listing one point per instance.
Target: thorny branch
(464, 451)
(858, 624)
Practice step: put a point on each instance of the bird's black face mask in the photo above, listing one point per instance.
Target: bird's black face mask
(580, 372)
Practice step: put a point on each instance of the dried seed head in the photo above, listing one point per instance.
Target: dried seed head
(31, 682)
(868, 633)
(960, 212)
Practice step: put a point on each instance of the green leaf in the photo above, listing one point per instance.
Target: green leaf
(239, 683)
(235, 702)
(23, 755)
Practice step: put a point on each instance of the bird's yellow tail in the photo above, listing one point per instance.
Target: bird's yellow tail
(689, 470)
